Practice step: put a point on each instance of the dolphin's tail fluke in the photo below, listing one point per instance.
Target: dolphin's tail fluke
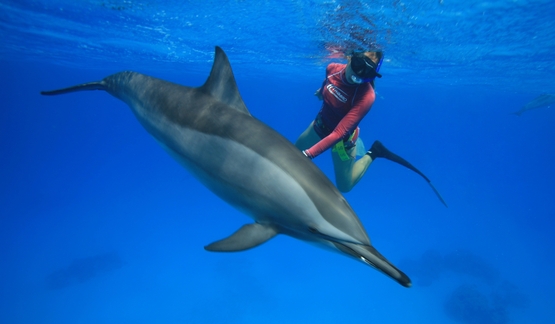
(379, 150)
(98, 85)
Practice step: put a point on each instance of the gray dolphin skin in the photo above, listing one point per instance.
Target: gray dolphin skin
(246, 163)
(543, 100)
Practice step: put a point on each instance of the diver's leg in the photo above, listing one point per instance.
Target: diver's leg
(360, 167)
(308, 138)
(348, 173)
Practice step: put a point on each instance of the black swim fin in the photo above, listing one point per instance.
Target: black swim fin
(379, 150)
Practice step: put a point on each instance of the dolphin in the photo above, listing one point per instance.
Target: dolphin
(543, 100)
(246, 163)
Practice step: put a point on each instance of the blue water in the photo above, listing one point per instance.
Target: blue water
(99, 225)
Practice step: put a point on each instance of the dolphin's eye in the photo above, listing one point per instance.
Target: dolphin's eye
(367, 261)
(312, 230)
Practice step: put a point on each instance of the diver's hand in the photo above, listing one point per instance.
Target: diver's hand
(318, 94)
(307, 154)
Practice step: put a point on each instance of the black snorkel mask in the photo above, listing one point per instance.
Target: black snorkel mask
(365, 70)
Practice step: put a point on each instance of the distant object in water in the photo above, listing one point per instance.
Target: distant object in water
(81, 270)
(467, 304)
(432, 265)
(425, 270)
(475, 305)
(467, 263)
(246, 163)
(507, 295)
(544, 100)
(488, 300)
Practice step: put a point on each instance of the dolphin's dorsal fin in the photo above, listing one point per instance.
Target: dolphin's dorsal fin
(221, 83)
(248, 236)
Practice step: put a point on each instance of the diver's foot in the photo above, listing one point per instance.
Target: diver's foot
(378, 150)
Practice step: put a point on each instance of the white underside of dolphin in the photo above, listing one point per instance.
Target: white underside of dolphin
(211, 133)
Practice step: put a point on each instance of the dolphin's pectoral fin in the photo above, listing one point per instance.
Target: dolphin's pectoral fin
(247, 237)
(221, 83)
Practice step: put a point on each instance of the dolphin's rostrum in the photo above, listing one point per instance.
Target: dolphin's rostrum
(246, 163)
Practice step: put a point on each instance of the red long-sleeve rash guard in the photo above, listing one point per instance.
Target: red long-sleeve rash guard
(344, 106)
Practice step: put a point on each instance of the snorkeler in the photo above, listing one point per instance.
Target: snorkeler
(348, 94)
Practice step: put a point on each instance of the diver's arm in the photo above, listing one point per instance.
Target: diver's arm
(345, 126)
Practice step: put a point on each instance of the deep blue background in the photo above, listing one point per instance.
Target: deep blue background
(79, 177)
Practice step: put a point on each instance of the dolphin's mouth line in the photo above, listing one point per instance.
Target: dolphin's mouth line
(334, 239)
(357, 255)
(370, 263)
(386, 268)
